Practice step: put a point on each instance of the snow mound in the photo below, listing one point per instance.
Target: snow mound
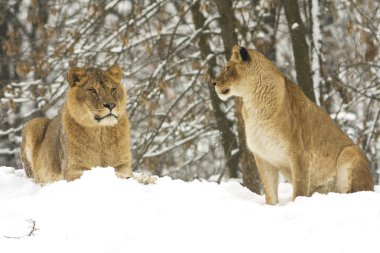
(102, 213)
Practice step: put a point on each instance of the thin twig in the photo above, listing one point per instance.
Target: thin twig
(33, 229)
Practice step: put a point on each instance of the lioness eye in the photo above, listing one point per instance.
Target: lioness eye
(113, 90)
(92, 91)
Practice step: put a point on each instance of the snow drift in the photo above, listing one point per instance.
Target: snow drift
(102, 213)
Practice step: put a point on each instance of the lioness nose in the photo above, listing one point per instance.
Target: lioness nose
(214, 83)
(109, 105)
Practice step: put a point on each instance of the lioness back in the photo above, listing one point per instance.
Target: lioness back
(91, 130)
(290, 134)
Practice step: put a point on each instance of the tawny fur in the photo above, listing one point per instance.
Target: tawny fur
(81, 136)
(288, 133)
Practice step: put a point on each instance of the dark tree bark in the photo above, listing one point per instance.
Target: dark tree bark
(227, 24)
(8, 49)
(39, 13)
(4, 58)
(267, 25)
(223, 123)
(300, 47)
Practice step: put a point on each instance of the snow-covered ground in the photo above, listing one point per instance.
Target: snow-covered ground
(102, 213)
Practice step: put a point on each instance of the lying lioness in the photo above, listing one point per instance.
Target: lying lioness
(91, 130)
(288, 133)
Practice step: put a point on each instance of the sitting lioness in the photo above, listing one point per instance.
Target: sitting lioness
(288, 133)
(91, 130)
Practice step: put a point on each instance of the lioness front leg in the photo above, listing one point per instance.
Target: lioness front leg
(74, 173)
(300, 177)
(269, 176)
(123, 171)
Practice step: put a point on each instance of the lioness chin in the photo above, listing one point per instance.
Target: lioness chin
(288, 133)
(91, 130)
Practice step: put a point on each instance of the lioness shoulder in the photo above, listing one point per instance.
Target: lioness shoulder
(290, 134)
(91, 130)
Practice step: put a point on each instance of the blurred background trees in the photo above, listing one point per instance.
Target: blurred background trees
(170, 51)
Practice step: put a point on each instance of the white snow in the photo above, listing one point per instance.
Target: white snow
(102, 213)
(295, 26)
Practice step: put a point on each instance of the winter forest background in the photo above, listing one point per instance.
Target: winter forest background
(170, 51)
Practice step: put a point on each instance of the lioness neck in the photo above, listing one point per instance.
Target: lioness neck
(264, 94)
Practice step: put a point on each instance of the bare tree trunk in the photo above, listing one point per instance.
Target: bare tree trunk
(39, 14)
(249, 168)
(300, 48)
(5, 71)
(224, 125)
(9, 46)
(265, 31)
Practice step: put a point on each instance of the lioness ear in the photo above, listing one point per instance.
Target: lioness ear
(244, 54)
(115, 72)
(76, 76)
(240, 54)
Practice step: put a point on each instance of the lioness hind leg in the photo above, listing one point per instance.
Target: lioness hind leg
(353, 172)
(32, 136)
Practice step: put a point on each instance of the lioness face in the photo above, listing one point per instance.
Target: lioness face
(96, 97)
(230, 81)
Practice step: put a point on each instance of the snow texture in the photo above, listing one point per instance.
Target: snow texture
(102, 213)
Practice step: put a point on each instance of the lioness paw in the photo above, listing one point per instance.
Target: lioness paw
(145, 179)
(122, 175)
